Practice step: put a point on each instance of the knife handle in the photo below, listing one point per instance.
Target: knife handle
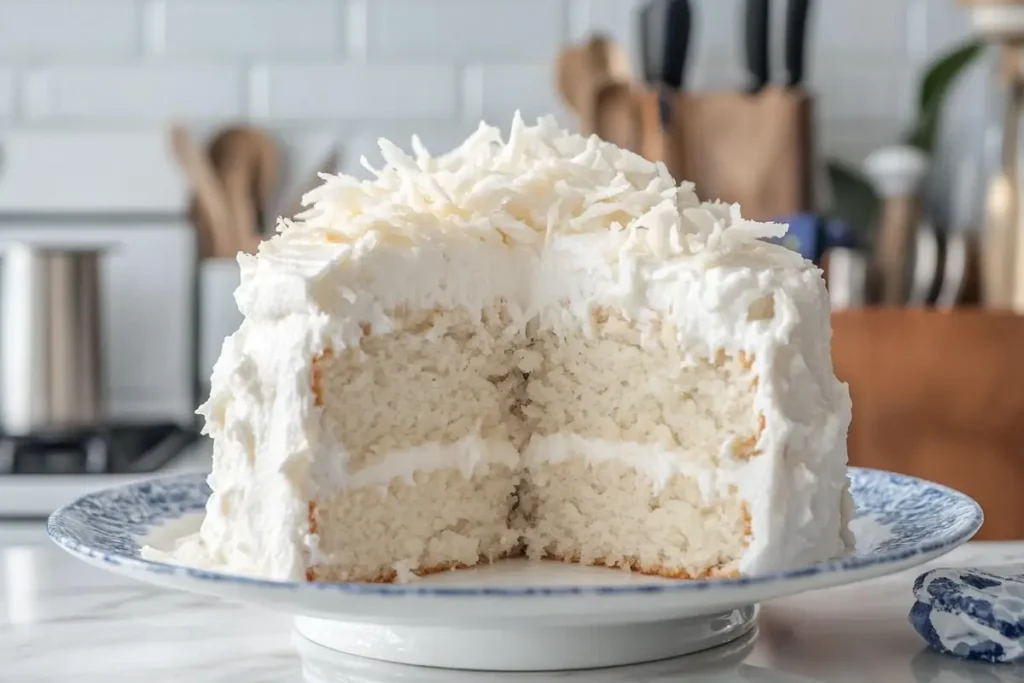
(648, 33)
(796, 40)
(758, 14)
(677, 43)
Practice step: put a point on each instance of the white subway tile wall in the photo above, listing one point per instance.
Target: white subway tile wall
(355, 92)
(133, 92)
(506, 87)
(69, 29)
(243, 28)
(465, 30)
(353, 70)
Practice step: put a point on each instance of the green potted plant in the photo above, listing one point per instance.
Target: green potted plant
(855, 199)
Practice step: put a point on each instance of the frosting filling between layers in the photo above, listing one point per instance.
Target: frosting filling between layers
(469, 455)
(657, 463)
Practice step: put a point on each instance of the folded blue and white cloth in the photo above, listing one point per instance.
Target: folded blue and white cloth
(971, 614)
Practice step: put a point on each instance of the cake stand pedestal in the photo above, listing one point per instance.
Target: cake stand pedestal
(529, 648)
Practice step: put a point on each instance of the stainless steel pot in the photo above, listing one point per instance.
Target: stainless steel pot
(51, 353)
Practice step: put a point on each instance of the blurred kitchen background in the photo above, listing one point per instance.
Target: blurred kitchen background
(143, 142)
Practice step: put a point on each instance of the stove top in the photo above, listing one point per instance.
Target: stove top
(115, 449)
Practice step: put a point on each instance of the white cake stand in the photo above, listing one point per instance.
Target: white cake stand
(542, 648)
(323, 665)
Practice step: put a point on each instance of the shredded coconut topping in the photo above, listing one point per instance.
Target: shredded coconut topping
(541, 181)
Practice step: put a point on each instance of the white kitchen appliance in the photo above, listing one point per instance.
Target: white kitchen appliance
(123, 193)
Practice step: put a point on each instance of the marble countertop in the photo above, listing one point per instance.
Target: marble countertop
(61, 620)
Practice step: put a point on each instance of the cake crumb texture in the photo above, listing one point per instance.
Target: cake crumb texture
(442, 379)
(442, 520)
(607, 514)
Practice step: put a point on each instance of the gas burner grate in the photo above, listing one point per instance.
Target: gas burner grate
(115, 449)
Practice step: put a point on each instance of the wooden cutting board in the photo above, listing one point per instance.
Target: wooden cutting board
(940, 396)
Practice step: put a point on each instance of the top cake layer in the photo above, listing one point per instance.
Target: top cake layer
(541, 196)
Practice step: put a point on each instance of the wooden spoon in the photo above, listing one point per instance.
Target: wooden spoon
(210, 210)
(583, 69)
(617, 116)
(246, 159)
(652, 136)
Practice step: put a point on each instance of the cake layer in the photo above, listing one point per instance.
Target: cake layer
(639, 382)
(440, 520)
(644, 506)
(607, 512)
(436, 377)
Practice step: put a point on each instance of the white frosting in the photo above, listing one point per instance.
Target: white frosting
(657, 463)
(470, 455)
(555, 224)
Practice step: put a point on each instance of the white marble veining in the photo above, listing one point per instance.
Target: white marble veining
(61, 620)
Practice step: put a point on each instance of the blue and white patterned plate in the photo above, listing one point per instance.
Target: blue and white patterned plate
(901, 522)
(971, 613)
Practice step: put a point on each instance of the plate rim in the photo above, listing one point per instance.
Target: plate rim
(897, 557)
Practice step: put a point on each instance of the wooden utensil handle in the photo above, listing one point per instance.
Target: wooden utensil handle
(652, 135)
(212, 207)
(582, 70)
(617, 116)
(899, 220)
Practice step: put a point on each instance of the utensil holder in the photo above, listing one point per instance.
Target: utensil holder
(938, 395)
(751, 149)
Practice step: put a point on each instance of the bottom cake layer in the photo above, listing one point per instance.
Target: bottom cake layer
(440, 521)
(580, 500)
(629, 505)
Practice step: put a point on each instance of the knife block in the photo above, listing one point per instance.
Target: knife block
(753, 149)
(940, 395)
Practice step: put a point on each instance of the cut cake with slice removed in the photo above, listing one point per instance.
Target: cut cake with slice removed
(543, 346)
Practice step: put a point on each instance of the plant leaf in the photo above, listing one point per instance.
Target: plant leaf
(935, 87)
(926, 127)
(853, 201)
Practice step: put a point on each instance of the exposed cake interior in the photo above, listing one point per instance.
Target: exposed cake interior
(425, 416)
(465, 436)
(627, 434)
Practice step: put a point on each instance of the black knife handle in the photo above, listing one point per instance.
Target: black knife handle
(677, 43)
(758, 17)
(649, 44)
(796, 40)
